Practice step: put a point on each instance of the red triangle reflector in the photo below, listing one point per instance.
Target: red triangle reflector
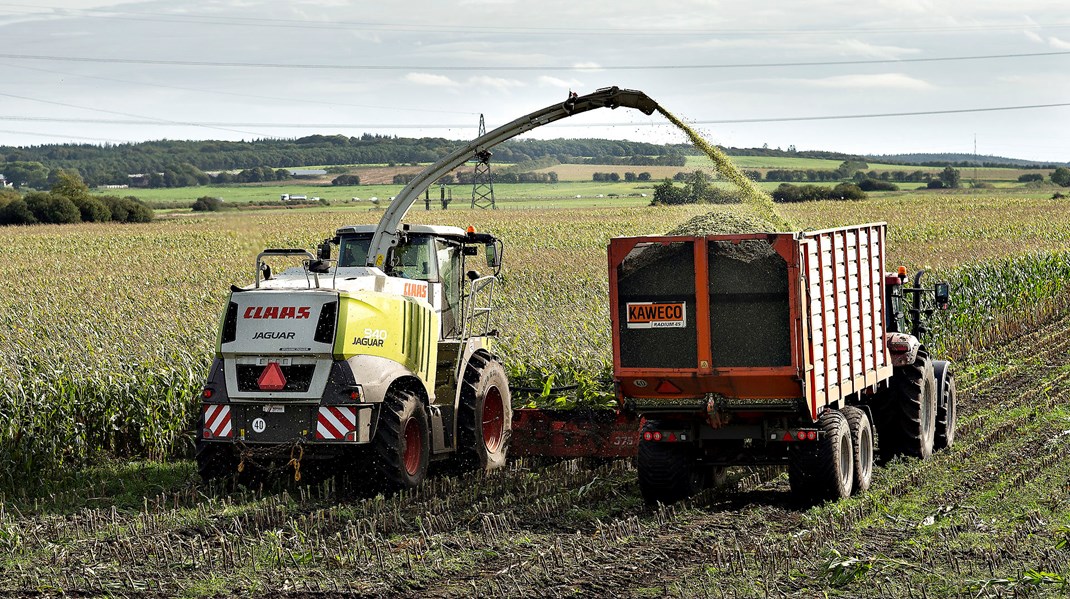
(272, 379)
(787, 437)
(667, 387)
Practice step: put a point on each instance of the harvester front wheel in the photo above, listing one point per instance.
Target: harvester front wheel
(485, 418)
(908, 421)
(862, 443)
(947, 410)
(668, 472)
(825, 469)
(402, 447)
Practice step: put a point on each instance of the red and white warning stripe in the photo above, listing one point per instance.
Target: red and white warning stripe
(335, 423)
(217, 421)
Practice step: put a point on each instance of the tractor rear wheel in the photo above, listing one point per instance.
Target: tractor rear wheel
(485, 418)
(907, 425)
(402, 444)
(668, 472)
(947, 412)
(825, 469)
(862, 442)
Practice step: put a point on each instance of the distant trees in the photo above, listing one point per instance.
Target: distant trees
(1061, 176)
(868, 184)
(950, 177)
(346, 180)
(698, 188)
(606, 177)
(69, 201)
(787, 192)
(25, 174)
(1030, 177)
(668, 194)
(207, 204)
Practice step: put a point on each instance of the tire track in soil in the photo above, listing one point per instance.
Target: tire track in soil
(518, 532)
(1015, 386)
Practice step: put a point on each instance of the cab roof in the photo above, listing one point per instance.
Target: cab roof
(438, 230)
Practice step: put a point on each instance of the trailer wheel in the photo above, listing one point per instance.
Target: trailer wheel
(668, 472)
(402, 447)
(825, 469)
(907, 425)
(485, 418)
(947, 410)
(862, 442)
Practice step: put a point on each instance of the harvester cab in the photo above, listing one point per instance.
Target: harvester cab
(376, 361)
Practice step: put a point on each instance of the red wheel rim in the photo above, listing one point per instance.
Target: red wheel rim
(414, 445)
(493, 419)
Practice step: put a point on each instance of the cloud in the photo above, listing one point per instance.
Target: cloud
(853, 47)
(879, 81)
(430, 80)
(498, 83)
(1032, 35)
(587, 66)
(548, 81)
(1058, 43)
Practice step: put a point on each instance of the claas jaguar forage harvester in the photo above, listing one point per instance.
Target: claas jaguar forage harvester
(378, 360)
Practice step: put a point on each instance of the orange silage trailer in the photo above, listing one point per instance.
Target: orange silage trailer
(768, 348)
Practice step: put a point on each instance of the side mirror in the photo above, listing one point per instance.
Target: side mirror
(323, 252)
(494, 259)
(942, 293)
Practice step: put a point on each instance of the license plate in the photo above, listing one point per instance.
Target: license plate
(280, 361)
(275, 409)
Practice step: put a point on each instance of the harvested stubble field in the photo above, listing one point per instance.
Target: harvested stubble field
(108, 331)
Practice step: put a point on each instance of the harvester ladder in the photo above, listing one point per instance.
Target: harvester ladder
(478, 304)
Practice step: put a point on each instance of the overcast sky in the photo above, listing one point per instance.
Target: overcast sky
(113, 71)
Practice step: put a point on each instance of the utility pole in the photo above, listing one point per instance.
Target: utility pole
(482, 186)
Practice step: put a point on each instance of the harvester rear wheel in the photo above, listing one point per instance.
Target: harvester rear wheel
(862, 442)
(402, 447)
(485, 418)
(947, 411)
(825, 469)
(907, 424)
(215, 461)
(668, 472)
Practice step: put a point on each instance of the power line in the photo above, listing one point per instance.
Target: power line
(152, 120)
(373, 67)
(278, 125)
(62, 136)
(300, 99)
(646, 30)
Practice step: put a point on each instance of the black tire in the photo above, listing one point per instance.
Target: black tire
(947, 412)
(862, 444)
(668, 472)
(402, 443)
(216, 461)
(824, 469)
(485, 417)
(907, 425)
(718, 477)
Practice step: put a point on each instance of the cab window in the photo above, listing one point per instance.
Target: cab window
(353, 251)
(416, 258)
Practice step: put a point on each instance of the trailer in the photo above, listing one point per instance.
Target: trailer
(789, 349)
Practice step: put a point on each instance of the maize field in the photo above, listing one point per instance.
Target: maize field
(108, 331)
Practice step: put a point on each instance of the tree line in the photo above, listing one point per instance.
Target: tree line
(69, 201)
(173, 163)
